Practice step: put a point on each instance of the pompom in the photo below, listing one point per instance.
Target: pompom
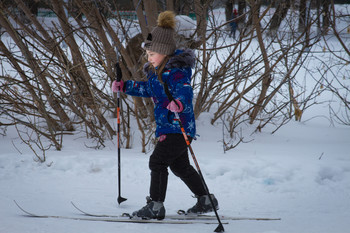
(166, 19)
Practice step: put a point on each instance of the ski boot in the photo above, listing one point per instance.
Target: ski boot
(153, 210)
(203, 205)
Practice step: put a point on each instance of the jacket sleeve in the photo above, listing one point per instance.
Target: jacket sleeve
(137, 88)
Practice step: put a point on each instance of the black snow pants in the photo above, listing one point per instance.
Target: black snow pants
(172, 152)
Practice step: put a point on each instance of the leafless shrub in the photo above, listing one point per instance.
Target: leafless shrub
(61, 69)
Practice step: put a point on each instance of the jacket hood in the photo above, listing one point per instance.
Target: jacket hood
(181, 59)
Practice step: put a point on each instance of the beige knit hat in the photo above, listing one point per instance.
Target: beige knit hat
(161, 39)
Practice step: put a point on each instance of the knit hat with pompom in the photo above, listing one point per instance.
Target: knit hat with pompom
(161, 39)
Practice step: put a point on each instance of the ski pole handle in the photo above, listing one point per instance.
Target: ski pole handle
(119, 75)
(118, 72)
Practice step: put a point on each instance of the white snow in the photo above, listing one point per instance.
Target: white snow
(300, 174)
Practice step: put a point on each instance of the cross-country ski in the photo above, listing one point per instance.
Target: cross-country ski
(121, 218)
(178, 216)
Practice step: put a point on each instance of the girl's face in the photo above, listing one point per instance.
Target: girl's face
(155, 58)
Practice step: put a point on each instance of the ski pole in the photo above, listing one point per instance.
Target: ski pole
(220, 228)
(119, 77)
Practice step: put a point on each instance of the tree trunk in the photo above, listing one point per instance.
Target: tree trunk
(266, 78)
(326, 16)
(254, 11)
(151, 13)
(170, 5)
(81, 74)
(141, 19)
(94, 17)
(229, 9)
(318, 7)
(279, 15)
(33, 6)
(241, 10)
(302, 16)
(200, 8)
(186, 7)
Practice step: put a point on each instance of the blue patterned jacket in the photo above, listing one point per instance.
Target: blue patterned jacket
(177, 74)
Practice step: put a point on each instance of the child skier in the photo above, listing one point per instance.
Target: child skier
(168, 68)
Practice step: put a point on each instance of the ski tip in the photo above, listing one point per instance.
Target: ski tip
(25, 211)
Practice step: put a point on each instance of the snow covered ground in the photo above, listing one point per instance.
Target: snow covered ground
(300, 174)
